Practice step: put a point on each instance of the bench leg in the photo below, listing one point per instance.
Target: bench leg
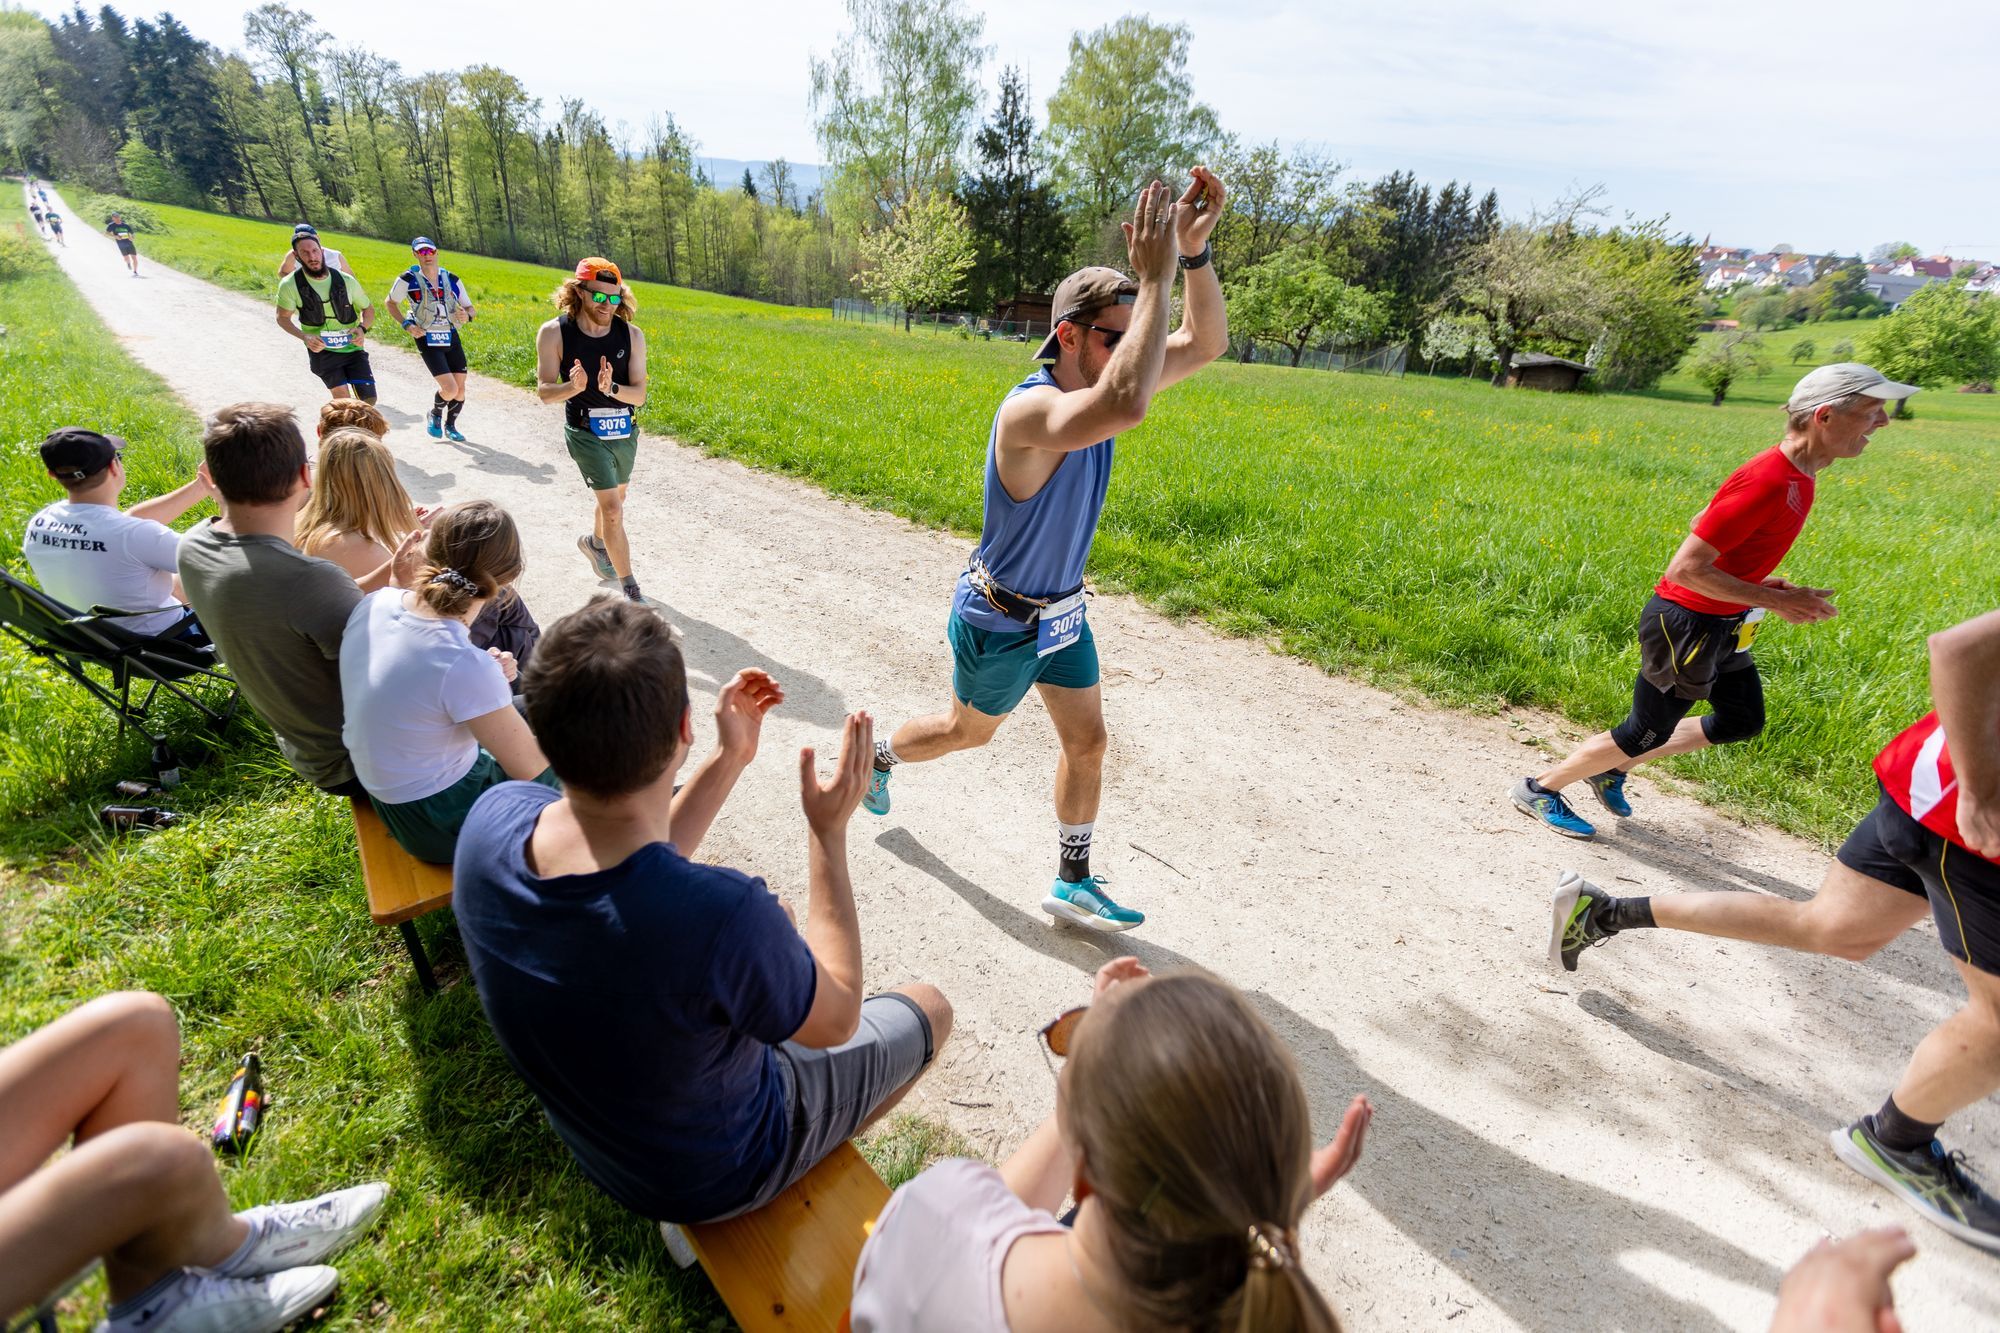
(415, 944)
(678, 1248)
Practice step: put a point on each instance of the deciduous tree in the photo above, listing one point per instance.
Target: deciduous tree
(1943, 334)
(1294, 297)
(919, 261)
(1727, 359)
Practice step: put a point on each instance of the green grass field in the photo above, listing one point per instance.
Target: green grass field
(1484, 547)
(250, 918)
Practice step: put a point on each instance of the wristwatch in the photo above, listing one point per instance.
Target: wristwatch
(410, 323)
(1200, 260)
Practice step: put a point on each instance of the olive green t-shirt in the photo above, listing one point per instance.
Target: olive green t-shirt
(276, 617)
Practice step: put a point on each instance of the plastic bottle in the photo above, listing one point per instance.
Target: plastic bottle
(137, 816)
(241, 1114)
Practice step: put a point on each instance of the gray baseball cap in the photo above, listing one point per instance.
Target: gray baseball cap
(1084, 293)
(1830, 384)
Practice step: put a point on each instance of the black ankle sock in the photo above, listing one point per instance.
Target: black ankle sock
(1539, 789)
(1897, 1130)
(1073, 870)
(1628, 914)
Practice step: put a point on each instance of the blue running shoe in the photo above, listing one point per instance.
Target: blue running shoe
(451, 433)
(876, 800)
(1085, 903)
(599, 558)
(1551, 809)
(1610, 789)
(434, 426)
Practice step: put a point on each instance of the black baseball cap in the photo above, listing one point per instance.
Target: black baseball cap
(73, 453)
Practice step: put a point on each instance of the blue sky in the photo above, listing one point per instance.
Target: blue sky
(1829, 125)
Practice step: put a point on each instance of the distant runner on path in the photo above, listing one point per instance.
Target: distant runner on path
(302, 234)
(35, 212)
(1695, 633)
(54, 219)
(1017, 617)
(438, 307)
(330, 313)
(119, 230)
(1931, 844)
(592, 359)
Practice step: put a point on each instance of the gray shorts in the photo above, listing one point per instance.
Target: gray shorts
(829, 1093)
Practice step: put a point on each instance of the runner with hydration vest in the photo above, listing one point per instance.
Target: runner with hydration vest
(438, 308)
(328, 310)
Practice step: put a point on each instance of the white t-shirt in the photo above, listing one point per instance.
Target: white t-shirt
(935, 1258)
(88, 555)
(409, 684)
(334, 259)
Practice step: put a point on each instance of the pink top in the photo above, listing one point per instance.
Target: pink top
(934, 1261)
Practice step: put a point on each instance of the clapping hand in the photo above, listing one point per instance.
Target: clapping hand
(1149, 236)
(1200, 208)
(1843, 1286)
(508, 666)
(828, 805)
(739, 712)
(1336, 1159)
(604, 385)
(579, 378)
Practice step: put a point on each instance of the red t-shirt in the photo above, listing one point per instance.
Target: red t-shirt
(1916, 771)
(1753, 521)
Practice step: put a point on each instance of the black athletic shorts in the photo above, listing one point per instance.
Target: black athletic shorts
(1963, 887)
(127, 248)
(1684, 658)
(337, 368)
(444, 360)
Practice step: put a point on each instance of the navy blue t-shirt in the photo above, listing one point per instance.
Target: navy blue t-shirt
(640, 1004)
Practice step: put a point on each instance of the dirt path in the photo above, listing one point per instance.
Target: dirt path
(1640, 1145)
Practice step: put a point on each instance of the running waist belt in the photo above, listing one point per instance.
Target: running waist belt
(1017, 608)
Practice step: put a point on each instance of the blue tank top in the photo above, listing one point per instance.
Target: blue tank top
(1037, 546)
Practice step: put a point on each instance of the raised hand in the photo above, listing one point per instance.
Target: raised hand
(739, 712)
(409, 553)
(579, 378)
(829, 805)
(1336, 1159)
(603, 375)
(1843, 1286)
(1113, 973)
(1149, 236)
(1200, 209)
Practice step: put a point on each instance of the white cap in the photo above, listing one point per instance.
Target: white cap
(1830, 384)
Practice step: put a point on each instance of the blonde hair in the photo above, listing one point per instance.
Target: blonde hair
(338, 412)
(573, 295)
(1196, 1141)
(354, 490)
(474, 551)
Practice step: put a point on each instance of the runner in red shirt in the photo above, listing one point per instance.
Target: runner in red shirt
(1695, 633)
(1932, 843)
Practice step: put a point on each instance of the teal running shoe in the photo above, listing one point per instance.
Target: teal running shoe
(1086, 904)
(1929, 1179)
(434, 426)
(876, 800)
(1551, 809)
(452, 433)
(1610, 789)
(599, 558)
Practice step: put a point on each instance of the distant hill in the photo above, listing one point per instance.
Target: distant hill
(728, 171)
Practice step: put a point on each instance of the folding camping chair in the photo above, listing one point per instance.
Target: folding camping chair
(76, 643)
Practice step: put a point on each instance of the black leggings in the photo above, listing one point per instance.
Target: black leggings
(1737, 698)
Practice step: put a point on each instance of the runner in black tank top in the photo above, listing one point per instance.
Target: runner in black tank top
(592, 359)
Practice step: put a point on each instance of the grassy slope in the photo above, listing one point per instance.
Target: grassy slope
(1484, 547)
(250, 917)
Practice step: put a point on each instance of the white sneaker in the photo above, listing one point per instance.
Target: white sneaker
(306, 1232)
(196, 1302)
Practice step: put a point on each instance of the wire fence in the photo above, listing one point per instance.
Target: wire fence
(1387, 359)
(963, 323)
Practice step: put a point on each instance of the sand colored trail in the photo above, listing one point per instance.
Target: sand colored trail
(1640, 1145)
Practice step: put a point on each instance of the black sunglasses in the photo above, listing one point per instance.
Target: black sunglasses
(1111, 336)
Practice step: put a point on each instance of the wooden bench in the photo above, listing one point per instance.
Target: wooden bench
(400, 887)
(789, 1266)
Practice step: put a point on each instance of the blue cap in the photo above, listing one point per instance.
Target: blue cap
(423, 243)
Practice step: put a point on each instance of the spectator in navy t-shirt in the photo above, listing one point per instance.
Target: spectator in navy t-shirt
(695, 1052)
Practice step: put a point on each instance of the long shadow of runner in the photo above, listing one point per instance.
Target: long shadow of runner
(713, 655)
(1502, 1223)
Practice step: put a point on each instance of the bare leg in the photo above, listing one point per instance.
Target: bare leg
(1597, 755)
(341, 391)
(1851, 916)
(938, 734)
(938, 1010)
(1958, 1064)
(1689, 735)
(1078, 716)
(111, 1062)
(610, 529)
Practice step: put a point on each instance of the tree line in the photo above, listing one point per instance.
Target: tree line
(922, 202)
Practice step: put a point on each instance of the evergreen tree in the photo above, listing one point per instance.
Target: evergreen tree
(1022, 240)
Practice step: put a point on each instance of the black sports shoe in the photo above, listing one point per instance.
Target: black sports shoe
(1929, 1179)
(1576, 919)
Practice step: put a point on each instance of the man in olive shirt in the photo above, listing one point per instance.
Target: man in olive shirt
(276, 616)
(329, 311)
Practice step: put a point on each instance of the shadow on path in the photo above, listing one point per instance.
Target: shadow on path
(713, 655)
(1662, 1041)
(1509, 1228)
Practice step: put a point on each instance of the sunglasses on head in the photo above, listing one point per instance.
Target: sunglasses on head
(605, 298)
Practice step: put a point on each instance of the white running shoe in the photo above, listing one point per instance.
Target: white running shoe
(307, 1232)
(196, 1302)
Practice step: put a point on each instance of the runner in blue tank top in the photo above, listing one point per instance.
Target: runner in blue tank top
(1017, 617)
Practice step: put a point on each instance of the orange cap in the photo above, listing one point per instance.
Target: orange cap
(594, 268)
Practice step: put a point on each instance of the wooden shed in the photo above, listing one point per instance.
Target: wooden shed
(1551, 374)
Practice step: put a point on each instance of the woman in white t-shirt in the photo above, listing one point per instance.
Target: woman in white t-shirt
(1182, 1130)
(429, 718)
